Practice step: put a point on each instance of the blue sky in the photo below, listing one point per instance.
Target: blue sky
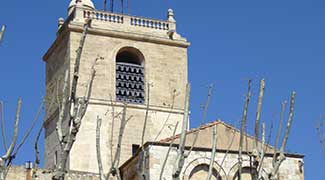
(232, 41)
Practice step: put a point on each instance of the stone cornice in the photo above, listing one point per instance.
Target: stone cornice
(71, 26)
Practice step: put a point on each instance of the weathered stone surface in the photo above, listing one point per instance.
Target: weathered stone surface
(165, 66)
(200, 158)
(19, 173)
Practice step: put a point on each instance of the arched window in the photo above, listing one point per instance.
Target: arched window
(130, 76)
(201, 172)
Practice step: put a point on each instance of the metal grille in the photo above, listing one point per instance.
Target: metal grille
(129, 83)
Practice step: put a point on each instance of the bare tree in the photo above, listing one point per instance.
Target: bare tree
(6, 159)
(259, 151)
(13, 150)
(181, 148)
(277, 161)
(77, 107)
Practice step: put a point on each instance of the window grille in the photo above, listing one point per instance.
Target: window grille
(129, 83)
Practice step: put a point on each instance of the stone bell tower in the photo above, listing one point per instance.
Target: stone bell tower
(137, 52)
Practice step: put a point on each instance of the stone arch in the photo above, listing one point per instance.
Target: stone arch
(246, 169)
(130, 55)
(112, 53)
(200, 163)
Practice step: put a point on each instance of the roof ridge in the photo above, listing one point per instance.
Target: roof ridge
(193, 130)
(210, 124)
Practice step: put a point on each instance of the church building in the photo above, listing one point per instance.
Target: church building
(141, 74)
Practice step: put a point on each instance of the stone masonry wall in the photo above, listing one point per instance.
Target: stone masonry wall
(165, 66)
(19, 173)
(290, 169)
(165, 70)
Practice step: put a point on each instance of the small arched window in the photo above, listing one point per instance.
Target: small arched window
(201, 172)
(130, 76)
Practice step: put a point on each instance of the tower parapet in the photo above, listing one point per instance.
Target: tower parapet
(121, 23)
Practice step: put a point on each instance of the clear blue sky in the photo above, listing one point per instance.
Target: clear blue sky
(281, 41)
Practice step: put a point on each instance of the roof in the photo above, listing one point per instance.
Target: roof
(228, 138)
(204, 141)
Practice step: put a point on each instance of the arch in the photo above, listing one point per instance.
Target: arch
(198, 164)
(201, 171)
(130, 55)
(130, 75)
(247, 171)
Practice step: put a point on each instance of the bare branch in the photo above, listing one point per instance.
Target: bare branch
(181, 149)
(146, 116)
(3, 132)
(37, 158)
(282, 157)
(5, 160)
(242, 129)
(290, 119)
(2, 31)
(63, 107)
(213, 154)
(77, 62)
(283, 109)
(30, 129)
(14, 139)
(265, 149)
(263, 137)
(112, 130)
(114, 166)
(227, 152)
(168, 116)
(204, 115)
(99, 157)
(258, 116)
(167, 154)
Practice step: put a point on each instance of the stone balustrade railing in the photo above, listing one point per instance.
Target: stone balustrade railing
(126, 20)
(103, 16)
(149, 23)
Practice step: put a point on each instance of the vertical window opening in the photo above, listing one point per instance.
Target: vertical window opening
(130, 76)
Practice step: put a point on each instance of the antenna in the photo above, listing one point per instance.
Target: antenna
(122, 6)
(105, 4)
(128, 6)
(112, 5)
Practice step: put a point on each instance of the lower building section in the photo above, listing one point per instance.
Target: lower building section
(150, 163)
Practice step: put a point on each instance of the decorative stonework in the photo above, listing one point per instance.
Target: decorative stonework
(199, 161)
